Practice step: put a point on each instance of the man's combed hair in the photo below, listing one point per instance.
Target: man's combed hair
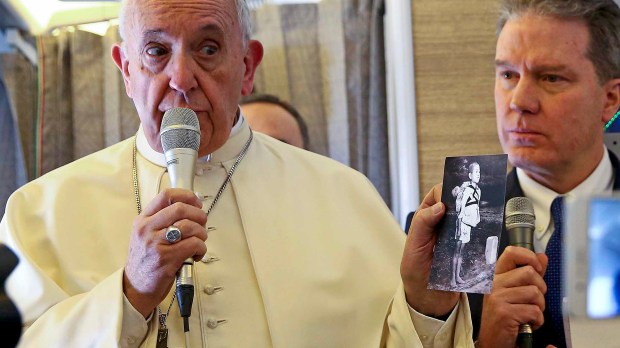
(601, 16)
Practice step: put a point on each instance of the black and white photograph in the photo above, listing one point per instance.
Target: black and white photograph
(474, 190)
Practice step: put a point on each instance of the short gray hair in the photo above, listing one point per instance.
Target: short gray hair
(245, 22)
(122, 17)
(601, 16)
(243, 14)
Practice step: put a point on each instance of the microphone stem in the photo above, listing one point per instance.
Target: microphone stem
(524, 338)
(185, 291)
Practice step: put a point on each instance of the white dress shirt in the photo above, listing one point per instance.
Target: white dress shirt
(599, 182)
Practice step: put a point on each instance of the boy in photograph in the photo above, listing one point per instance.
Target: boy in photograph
(469, 216)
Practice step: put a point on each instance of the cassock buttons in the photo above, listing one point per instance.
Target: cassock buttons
(203, 197)
(210, 289)
(208, 258)
(213, 323)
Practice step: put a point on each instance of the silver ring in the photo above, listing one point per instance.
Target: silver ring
(173, 234)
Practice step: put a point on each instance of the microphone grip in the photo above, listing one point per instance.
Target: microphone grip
(522, 237)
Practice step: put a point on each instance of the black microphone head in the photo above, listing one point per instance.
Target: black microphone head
(180, 129)
(520, 213)
(10, 318)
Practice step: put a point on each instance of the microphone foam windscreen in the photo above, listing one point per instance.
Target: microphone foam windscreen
(520, 212)
(180, 129)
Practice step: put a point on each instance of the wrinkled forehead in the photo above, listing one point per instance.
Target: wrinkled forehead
(544, 37)
(172, 16)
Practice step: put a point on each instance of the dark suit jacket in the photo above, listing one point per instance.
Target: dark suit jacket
(544, 335)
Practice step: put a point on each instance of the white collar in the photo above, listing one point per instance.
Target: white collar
(599, 182)
(238, 136)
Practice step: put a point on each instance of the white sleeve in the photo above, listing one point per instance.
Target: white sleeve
(100, 317)
(407, 328)
(134, 327)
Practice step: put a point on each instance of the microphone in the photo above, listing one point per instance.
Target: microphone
(180, 138)
(10, 319)
(520, 220)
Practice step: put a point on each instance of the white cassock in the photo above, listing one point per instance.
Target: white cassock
(304, 254)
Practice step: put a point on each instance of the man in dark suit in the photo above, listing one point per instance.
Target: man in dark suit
(545, 334)
(557, 85)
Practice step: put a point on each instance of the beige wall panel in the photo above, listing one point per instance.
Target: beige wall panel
(454, 49)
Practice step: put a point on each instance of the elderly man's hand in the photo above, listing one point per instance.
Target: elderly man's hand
(153, 262)
(418, 256)
(517, 297)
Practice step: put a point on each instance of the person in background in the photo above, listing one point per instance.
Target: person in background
(292, 249)
(270, 115)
